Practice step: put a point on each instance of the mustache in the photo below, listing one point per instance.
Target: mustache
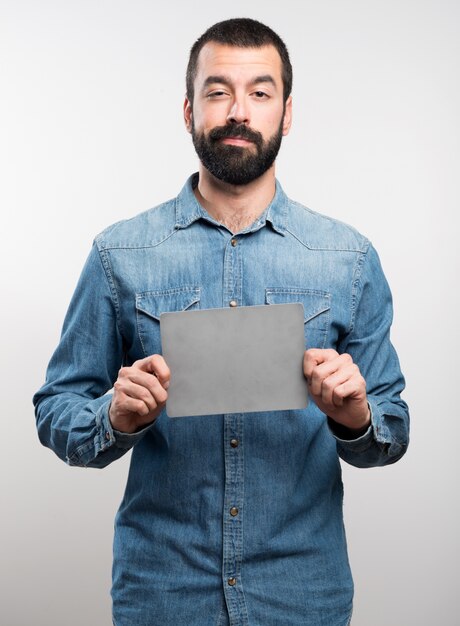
(236, 130)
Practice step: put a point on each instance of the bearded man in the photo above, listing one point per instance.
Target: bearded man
(233, 519)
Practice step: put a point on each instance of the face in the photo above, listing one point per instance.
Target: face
(239, 115)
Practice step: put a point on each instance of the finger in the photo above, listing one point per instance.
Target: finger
(160, 369)
(155, 365)
(140, 377)
(314, 357)
(344, 373)
(326, 369)
(354, 387)
(124, 405)
(142, 386)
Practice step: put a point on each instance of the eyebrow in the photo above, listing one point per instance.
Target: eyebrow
(224, 80)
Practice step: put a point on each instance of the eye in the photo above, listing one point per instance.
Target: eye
(260, 95)
(217, 93)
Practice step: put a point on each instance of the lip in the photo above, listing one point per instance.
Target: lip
(236, 141)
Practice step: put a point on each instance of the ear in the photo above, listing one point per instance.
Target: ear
(287, 120)
(188, 114)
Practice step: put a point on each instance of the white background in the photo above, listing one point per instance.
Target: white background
(91, 132)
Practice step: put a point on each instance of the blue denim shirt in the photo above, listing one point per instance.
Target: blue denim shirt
(229, 519)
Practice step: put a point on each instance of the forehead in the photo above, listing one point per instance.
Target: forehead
(219, 59)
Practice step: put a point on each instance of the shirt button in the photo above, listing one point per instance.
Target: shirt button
(232, 581)
(234, 242)
(233, 511)
(234, 443)
(233, 303)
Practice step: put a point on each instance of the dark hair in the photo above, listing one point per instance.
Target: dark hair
(242, 33)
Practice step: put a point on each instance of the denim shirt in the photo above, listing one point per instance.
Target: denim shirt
(231, 519)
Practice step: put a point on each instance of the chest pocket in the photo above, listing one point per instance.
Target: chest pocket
(151, 304)
(316, 305)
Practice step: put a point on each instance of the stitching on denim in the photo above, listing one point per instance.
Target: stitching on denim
(298, 291)
(168, 292)
(324, 312)
(356, 287)
(140, 311)
(322, 248)
(108, 273)
(195, 291)
(125, 246)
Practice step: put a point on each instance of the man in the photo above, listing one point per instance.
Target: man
(231, 519)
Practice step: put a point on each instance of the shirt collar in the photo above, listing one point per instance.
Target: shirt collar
(189, 210)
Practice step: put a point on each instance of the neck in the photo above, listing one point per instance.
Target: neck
(235, 206)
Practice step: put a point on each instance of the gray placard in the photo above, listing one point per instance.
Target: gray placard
(235, 360)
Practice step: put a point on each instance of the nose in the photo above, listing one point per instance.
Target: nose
(238, 112)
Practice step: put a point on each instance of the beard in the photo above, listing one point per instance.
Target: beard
(236, 165)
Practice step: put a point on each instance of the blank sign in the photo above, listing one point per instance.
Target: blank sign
(235, 360)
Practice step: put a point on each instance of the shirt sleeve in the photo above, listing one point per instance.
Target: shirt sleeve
(369, 344)
(72, 407)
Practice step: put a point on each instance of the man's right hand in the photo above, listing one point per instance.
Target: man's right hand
(139, 394)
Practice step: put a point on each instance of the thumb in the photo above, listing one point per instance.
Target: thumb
(156, 365)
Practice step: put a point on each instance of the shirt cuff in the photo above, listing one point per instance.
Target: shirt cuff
(111, 436)
(359, 444)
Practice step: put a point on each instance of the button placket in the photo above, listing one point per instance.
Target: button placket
(232, 287)
(233, 458)
(233, 517)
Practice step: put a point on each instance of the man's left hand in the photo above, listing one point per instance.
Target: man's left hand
(337, 387)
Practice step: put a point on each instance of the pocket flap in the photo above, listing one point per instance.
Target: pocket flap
(314, 302)
(154, 303)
